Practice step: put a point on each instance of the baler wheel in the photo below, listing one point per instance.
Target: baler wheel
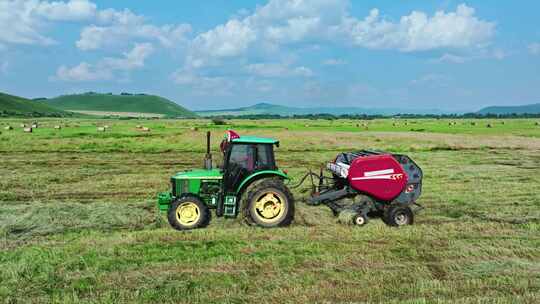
(396, 216)
(360, 220)
(188, 213)
(268, 204)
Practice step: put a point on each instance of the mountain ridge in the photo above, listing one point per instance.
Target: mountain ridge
(521, 109)
(20, 106)
(265, 108)
(123, 103)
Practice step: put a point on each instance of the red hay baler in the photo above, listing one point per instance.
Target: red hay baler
(370, 183)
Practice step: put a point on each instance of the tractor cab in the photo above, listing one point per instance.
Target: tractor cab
(249, 182)
(245, 156)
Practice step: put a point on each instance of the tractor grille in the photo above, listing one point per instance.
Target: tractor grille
(179, 186)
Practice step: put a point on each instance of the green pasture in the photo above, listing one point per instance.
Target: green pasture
(79, 224)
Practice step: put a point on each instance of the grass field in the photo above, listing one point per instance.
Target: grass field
(78, 220)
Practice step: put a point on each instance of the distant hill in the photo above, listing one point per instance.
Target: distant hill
(271, 109)
(18, 106)
(500, 110)
(124, 104)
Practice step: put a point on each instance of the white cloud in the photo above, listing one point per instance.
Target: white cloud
(133, 59)
(273, 70)
(487, 53)
(74, 10)
(437, 80)
(333, 61)
(419, 32)
(278, 22)
(120, 27)
(282, 22)
(106, 68)
(25, 21)
(227, 40)
(450, 58)
(83, 72)
(534, 48)
(203, 85)
(22, 21)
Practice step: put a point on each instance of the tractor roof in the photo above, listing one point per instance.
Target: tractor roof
(255, 140)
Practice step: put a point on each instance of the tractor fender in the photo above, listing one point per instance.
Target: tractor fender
(258, 175)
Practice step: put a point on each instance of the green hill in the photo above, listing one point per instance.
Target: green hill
(17, 106)
(272, 109)
(124, 104)
(501, 110)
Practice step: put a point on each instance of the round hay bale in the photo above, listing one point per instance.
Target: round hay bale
(145, 129)
(34, 126)
(473, 123)
(194, 129)
(306, 125)
(23, 125)
(106, 126)
(27, 130)
(537, 123)
(8, 128)
(57, 127)
(489, 125)
(138, 126)
(101, 129)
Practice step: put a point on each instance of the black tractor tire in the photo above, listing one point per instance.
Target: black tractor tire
(260, 188)
(396, 216)
(200, 214)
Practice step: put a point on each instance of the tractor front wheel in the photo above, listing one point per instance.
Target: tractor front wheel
(188, 213)
(268, 203)
(398, 216)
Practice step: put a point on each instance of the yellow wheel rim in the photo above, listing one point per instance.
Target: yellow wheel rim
(270, 206)
(188, 213)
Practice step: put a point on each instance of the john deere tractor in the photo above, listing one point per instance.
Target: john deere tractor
(248, 184)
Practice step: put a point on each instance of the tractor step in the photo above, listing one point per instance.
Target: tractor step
(229, 205)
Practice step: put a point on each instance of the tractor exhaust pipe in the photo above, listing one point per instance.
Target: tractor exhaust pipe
(208, 157)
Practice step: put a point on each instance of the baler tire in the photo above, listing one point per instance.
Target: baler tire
(255, 190)
(389, 216)
(360, 220)
(202, 221)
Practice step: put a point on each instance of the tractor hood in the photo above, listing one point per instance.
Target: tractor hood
(199, 174)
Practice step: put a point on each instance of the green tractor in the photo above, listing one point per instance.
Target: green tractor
(249, 183)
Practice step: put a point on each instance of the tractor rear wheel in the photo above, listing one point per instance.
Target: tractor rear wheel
(398, 216)
(268, 203)
(188, 213)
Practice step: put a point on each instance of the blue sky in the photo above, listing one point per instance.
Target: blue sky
(448, 55)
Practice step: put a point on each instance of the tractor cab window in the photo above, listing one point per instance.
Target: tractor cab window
(241, 156)
(252, 157)
(265, 157)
